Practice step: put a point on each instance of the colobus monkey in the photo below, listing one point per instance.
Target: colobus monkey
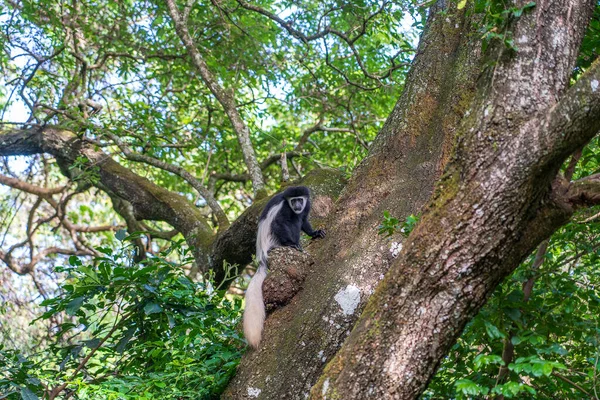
(279, 225)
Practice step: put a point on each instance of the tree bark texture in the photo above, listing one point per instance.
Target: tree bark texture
(398, 175)
(498, 199)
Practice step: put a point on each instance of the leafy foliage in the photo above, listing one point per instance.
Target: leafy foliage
(497, 16)
(131, 331)
(389, 225)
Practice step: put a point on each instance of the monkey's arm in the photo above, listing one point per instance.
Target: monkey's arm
(306, 228)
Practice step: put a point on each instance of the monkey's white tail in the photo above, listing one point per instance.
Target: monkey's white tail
(254, 313)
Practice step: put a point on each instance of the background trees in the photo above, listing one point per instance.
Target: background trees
(118, 77)
(167, 119)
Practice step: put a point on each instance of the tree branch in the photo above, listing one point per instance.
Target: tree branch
(181, 172)
(584, 192)
(224, 97)
(575, 119)
(344, 36)
(27, 268)
(149, 201)
(318, 127)
(272, 159)
(28, 187)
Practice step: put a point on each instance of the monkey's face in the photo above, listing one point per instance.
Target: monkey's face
(297, 204)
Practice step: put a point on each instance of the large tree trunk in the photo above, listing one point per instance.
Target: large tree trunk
(499, 197)
(398, 176)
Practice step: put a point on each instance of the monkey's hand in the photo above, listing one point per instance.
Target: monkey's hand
(298, 247)
(319, 233)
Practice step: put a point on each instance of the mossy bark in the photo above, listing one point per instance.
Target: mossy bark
(398, 175)
(494, 205)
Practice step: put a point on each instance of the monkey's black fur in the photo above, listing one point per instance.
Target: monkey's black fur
(280, 223)
(287, 224)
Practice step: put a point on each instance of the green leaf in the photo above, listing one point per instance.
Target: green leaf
(468, 387)
(74, 305)
(152, 308)
(74, 261)
(461, 4)
(493, 332)
(121, 234)
(27, 394)
(121, 345)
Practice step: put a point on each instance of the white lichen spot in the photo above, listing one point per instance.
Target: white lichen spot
(325, 387)
(594, 85)
(348, 299)
(522, 39)
(253, 392)
(320, 355)
(395, 249)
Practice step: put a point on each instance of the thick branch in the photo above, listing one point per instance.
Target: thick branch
(149, 201)
(224, 97)
(575, 120)
(181, 172)
(584, 192)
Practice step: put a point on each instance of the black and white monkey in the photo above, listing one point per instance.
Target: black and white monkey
(279, 225)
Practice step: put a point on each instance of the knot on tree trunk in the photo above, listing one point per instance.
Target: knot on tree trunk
(288, 268)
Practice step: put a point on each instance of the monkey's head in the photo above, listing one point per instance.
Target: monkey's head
(297, 198)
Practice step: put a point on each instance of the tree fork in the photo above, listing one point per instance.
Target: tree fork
(398, 175)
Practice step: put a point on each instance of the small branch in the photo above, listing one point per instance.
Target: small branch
(570, 382)
(285, 173)
(101, 60)
(590, 219)
(264, 165)
(345, 37)
(94, 229)
(572, 164)
(56, 391)
(28, 187)
(508, 350)
(320, 128)
(26, 269)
